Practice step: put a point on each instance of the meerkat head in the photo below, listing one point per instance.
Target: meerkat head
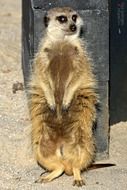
(62, 22)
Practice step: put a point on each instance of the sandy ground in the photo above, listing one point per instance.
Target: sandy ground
(18, 170)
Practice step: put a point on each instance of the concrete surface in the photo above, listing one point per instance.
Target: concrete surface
(18, 170)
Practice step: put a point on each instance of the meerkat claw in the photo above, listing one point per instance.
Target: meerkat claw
(65, 108)
(52, 108)
(78, 183)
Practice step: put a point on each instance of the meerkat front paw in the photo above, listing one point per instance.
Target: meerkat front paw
(52, 108)
(65, 108)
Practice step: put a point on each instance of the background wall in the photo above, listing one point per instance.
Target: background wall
(118, 61)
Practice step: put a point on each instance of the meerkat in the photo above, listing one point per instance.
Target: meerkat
(62, 98)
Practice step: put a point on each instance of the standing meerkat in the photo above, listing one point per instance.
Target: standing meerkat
(62, 99)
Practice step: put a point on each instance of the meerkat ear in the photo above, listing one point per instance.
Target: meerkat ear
(46, 20)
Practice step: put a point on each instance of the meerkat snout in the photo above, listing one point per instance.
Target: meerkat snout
(73, 27)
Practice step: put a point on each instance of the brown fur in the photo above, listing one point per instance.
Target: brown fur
(62, 103)
(70, 131)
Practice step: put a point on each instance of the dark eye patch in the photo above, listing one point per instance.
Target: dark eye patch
(61, 19)
(74, 18)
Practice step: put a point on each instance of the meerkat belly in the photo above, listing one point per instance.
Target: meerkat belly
(60, 68)
(52, 147)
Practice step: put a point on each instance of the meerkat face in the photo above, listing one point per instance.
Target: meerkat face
(61, 22)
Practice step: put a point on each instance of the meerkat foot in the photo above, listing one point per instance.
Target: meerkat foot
(43, 173)
(54, 174)
(78, 181)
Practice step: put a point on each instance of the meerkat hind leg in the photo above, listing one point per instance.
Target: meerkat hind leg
(78, 181)
(54, 174)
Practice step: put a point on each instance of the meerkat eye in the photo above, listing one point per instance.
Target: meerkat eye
(62, 19)
(74, 18)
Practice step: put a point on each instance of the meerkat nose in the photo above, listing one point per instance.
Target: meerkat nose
(73, 27)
